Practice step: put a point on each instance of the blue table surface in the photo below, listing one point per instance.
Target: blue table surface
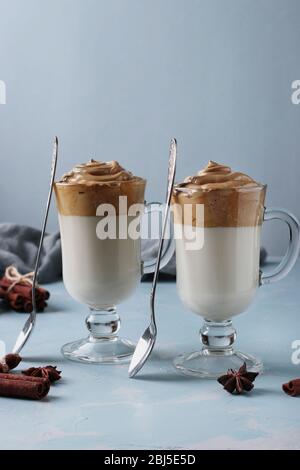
(98, 407)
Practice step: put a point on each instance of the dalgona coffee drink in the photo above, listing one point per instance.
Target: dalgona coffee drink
(219, 280)
(98, 272)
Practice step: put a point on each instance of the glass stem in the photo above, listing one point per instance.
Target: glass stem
(218, 336)
(103, 324)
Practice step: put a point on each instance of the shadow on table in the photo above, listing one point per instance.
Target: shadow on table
(162, 360)
(264, 391)
(43, 359)
(51, 398)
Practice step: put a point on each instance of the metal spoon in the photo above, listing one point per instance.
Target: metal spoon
(29, 325)
(147, 340)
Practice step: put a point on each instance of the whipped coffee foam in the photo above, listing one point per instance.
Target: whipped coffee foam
(217, 176)
(98, 172)
(90, 184)
(230, 199)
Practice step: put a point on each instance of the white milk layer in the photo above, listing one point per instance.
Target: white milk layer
(219, 280)
(99, 273)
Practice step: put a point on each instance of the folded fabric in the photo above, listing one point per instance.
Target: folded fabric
(19, 245)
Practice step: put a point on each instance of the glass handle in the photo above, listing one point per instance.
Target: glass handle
(148, 266)
(291, 255)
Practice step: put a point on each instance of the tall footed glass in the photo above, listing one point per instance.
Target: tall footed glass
(217, 257)
(100, 207)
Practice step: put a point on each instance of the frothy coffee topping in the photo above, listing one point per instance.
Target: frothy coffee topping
(217, 176)
(87, 185)
(94, 172)
(230, 198)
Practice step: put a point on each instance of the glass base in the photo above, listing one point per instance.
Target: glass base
(212, 364)
(99, 351)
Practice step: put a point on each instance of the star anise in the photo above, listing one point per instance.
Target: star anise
(48, 372)
(238, 380)
(9, 362)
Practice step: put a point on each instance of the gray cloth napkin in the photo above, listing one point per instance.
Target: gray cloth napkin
(19, 245)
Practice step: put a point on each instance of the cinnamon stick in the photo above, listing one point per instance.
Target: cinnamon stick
(19, 297)
(28, 306)
(15, 298)
(292, 387)
(45, 293)
(2, 292)
(22, 386)
(24, 290)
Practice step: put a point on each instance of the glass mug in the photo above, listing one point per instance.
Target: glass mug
(102, 273)
(219, 279)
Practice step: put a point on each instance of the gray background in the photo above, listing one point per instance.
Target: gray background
(115, 79)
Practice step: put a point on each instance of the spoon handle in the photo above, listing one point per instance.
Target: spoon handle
(37, 262)
(171, 178)
(29, 324)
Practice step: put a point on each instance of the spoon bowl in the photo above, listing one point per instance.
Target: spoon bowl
(143, 350)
